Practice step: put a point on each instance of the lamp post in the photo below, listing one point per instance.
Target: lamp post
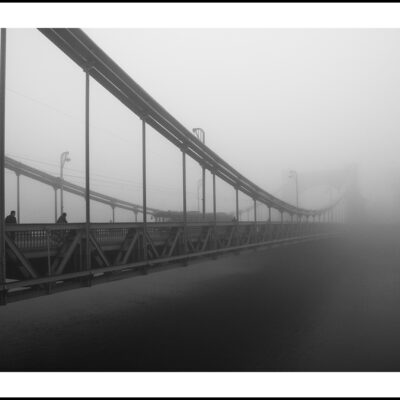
(63, 159)
(201, 135)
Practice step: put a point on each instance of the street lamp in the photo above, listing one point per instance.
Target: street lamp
(200, 134)
(63, 159)
(291, 175)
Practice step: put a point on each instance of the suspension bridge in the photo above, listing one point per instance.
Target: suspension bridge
(40, 259)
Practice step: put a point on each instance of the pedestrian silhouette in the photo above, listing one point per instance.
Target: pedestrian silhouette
(59, 236)
(10, 219)
(62, 219)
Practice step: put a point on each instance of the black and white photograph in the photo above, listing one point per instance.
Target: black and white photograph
(199, 196)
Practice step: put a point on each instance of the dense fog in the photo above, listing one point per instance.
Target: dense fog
(315, 101)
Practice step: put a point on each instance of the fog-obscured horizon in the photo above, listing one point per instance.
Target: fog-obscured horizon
(269, 100)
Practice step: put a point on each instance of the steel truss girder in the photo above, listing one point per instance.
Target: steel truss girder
(127, 247)
(100, 252)
(27, 269)
(151, 246)
(231, 238)
(171, 243)
(162, 241)
(65, 252)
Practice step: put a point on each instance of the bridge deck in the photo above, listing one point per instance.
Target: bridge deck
(319, 306)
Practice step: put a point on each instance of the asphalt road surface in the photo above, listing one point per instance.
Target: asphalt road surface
(333, 305)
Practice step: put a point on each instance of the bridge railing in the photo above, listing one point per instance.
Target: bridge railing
(31, 237)
(46, 257)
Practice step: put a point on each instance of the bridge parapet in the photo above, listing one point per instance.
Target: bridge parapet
(41, 258)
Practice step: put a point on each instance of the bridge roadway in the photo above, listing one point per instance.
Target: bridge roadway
(332, 305)
(46, 258)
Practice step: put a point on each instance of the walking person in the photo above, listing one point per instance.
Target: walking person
(60, 235)
(10, 219)
(62, 219)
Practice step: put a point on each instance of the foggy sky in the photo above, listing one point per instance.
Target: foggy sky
(269, 100)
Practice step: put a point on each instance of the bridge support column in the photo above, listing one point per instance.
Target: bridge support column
(203, 173)
(144, 189)
(2, 162)
(291, 225)
(18, 198)
(298, 230)
(237, 204)
(270, 222)
(184, 239)
(87, 171)
(255, 220)
(55, 204)
(298, 225)
(113, 214)
(214, 212)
